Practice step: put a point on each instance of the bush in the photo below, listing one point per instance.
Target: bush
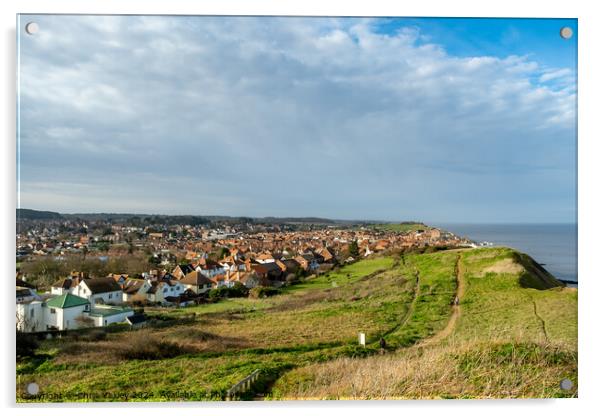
(97, 335)
(292, 278)
(263, 292)
(237, 291)
(301, 273)
(26, 345)
(143, 347)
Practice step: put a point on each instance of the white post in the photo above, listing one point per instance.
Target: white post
(362, 339)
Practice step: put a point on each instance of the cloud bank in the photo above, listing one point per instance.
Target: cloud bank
(288, 117)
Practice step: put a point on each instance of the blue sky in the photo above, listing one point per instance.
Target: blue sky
(536, 38)
(441, 120)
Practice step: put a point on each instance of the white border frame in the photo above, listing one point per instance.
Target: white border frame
(590, 209)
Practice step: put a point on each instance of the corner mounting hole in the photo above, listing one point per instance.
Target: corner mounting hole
(566, 32)
(32, 28)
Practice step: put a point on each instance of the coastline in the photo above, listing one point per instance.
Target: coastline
(554, 246)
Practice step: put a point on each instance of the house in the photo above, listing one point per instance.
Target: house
(102, 290)
(209, 268)
(66, 312)
(67, 284)
(288, 266)
(25, 295)
(381, 245)
(327, 255)
(182, 300)
(434, 234)
(120, 278)
(105, 315)
(231, 264)
(161, 290)
(308, 262)
(196, 282)
(30, 310)
(135, 289)
(182, 270)
(220, 280)
(61, 287)
(270, 271)
(265, 258)
(251, 279)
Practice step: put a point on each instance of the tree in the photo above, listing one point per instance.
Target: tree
(44, 271)
(354, 249)
(155, 260)
(224, 252)
(103, 246)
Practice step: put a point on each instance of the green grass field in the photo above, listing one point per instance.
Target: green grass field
(510, 338)
(304, 341)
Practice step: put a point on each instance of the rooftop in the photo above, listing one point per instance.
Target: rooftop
(66, 301)
(106, 310)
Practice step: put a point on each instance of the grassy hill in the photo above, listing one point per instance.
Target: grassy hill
(32, 214)
(403, 227)
(513, 334)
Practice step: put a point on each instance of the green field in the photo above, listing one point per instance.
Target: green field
(511, 337)
(304, 341)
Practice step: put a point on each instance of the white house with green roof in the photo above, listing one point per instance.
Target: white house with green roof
(104, 315)
(66, 312)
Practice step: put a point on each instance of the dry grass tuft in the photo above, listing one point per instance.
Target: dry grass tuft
(491, 370)
(503, 266)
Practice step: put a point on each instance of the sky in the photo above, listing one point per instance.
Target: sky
(430, 119)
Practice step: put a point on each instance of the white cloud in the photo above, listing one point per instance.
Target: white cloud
(322, 108)
(555, 74)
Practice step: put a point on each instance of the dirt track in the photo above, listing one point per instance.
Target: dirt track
(456, 309)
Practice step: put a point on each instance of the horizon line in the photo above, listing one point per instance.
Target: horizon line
(426, 222)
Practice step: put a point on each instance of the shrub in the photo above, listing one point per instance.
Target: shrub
(97, 335)
(143, 347)
(26, 345)
(263, 292)
(237, 291)
(292, 278)
(301, 273)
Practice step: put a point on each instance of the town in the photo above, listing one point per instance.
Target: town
(182, 261)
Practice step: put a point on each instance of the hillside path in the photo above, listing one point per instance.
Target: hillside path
(410, 311)
(456, 309)
(542, 322)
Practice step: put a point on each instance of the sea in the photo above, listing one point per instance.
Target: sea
(554, 246)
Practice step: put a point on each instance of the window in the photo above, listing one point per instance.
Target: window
(110, 295)
(31, 313)
(52, 310)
